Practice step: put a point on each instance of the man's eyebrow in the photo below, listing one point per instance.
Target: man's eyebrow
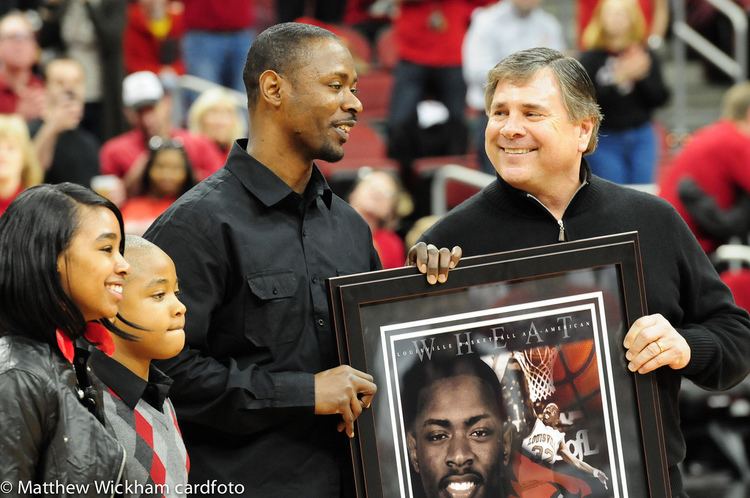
(528, 105)
(476, 418)
(107, 235)
(436, 421)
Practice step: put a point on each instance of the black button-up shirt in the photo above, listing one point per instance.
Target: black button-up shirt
(128, 386)
(252, 257)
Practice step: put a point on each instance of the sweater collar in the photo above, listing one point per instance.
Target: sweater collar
(502, 194)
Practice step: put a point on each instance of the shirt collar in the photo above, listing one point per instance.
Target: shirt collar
(584, 175)
(265, 185)
(128, 386)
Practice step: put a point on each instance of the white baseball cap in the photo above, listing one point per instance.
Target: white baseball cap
(141, 89)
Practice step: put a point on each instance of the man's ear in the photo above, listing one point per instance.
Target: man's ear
(411, 444)
(586, 127)
(270, 83)
(507, 442)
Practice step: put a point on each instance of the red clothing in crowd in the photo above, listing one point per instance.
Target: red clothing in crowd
(210, 15)
(717, 157)
(118, 154)
(144, 51)
(9, 97)
(139, 212)
(390, 248)
(739, 283)
(4, 203)
(430, 33)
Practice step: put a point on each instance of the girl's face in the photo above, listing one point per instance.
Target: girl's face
(616, 19)
(218, 124)
(11, 160)
(92, 270)
(168, 173)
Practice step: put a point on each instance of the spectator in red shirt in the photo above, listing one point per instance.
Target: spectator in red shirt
(429, 35)
(717, 159)
(21, 91)
(19, 168)
(215, 43)
(149, 109)
(152, 37)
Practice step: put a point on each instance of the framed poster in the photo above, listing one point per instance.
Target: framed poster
(508, 380)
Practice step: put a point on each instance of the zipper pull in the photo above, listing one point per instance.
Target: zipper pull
(561, 235)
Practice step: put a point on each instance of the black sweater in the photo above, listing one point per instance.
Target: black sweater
(681, 283)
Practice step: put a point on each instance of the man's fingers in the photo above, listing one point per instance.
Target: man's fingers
(433, 261)
(348, 416)
(360, 374)
(636, 329)
(456, 254)
(444, 261)
(362, 386)
(418, 256)
(366, 400)
(356, 407)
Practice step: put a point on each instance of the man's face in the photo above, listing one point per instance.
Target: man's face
(321, 107)
(152, 120)
(18, 47)
(66, 78)
(531, 140)
(456, 445)
(551, 415)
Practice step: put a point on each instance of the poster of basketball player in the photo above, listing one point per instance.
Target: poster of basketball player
(502, 387)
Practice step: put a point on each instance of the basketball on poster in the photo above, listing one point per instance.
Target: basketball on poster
(516, 401)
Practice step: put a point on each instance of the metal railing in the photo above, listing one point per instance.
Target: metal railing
(684, 35)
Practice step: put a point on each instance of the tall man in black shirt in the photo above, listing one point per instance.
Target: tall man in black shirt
(257, 383)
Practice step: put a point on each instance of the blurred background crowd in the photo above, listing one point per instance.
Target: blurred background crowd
(141, 99)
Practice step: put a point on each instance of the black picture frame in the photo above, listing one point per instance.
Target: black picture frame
(514, 307)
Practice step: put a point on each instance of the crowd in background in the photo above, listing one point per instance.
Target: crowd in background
(98, 86)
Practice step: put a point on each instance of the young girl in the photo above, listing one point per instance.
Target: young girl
(136, 407)
(167, 175)
(61, 270)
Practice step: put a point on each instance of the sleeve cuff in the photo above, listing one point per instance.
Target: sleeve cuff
(294, 389)
(703, 350)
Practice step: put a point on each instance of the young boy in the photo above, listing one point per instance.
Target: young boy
(136, 407)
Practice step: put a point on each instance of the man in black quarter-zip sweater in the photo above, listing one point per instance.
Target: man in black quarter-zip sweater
(543, 117)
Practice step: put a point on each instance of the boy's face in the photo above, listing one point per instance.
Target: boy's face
(150, 301)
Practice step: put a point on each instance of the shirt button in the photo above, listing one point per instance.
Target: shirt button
(304, 233)
(315, 280)
(321, 322)
(275, 291)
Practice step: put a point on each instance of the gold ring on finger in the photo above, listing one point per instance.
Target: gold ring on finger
(661, 349)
